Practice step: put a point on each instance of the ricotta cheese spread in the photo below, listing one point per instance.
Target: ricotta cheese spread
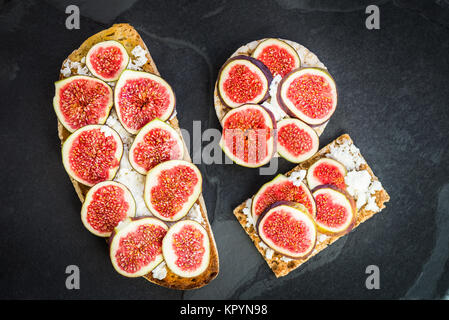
(160, 272)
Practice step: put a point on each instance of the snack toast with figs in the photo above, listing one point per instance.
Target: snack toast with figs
(270, 85)
(129, 165)
(298, 214)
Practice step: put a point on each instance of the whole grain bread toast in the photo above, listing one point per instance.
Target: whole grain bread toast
(276, 262)
(308, 59)
(130, 38)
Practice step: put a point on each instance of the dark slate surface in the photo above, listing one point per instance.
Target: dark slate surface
(393, 86)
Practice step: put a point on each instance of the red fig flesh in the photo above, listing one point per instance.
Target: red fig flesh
(296, 141)
(92, 154)
(326, 171)
(243, 80)
(156, 142)
(281, 189)
(107, 59)
(80, 101)
(140, 97)
(171, 189)
(105, 206)
(136, 246)
(247, 136)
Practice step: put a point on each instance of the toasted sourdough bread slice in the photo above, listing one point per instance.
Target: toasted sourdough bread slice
(129, 38)
(308, 59)
(276, 262)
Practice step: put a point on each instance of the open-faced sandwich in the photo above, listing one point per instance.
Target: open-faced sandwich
(298, 214)
(276, 98)
(125, 155)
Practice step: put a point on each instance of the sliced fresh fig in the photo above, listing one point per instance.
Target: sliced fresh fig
(242, 80)
(136, 246)
(105, 206)
(281, 189)
(335, 210)
(106, 60)
(277, 55)
(156, 142)
(80, 101)
(288, 229)
(186, 249)
(326, 171)
(296, 141)
(171, 189)
(140, 97)
(309, 94)
(92, 154)
(248, 135)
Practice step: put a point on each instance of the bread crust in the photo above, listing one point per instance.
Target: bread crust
(282, 268)
(308, 59)
(130, 38)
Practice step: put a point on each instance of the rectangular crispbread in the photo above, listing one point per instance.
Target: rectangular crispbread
(278, 265)
(129, 38)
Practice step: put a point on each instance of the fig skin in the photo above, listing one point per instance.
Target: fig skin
(258, 64)
(292, 204)
(353, 206)
(288, 111)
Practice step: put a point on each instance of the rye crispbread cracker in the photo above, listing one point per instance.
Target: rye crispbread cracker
(130, 38)
(308, 59)
(281, 267)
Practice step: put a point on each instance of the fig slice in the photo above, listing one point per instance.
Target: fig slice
(140, 97)
(92, 154)
(136, 246)
(186, 249)
(288, 228)
(309, 94)
(335, 210)
(277, 55)
(326, 171)
(296, 141)
(105, 206)
(242, 80)
(81, 100)
(281, 188)
(106, 60)
(171, 189)
(156, 142)
(248, 135)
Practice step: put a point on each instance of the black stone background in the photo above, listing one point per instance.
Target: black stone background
(393, 101)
